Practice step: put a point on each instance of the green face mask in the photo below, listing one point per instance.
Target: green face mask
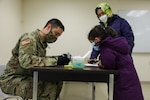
(50, 38)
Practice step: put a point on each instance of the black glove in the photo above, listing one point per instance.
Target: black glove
(64, 59)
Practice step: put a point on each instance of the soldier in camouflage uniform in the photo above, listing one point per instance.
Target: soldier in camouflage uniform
(30, 51)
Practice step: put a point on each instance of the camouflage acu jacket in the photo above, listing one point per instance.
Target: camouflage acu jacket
(29, 51)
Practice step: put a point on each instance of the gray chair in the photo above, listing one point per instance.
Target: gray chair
(4, 96)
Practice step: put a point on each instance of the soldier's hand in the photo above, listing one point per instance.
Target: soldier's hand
(64, 59)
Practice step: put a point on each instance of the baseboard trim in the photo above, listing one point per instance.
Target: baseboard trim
(145, 82)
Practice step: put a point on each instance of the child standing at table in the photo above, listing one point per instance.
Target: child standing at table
(114, 54)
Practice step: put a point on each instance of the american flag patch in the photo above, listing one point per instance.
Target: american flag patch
(25, 42)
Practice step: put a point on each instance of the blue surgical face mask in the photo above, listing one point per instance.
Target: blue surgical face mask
(95, 47)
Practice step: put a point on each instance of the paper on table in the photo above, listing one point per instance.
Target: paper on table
(92, 65)
(88, 52)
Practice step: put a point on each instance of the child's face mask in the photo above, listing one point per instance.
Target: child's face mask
(96, 46)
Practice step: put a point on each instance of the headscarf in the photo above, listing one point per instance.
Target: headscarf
(105, 7)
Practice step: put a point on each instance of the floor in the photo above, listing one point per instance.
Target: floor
(83, 91)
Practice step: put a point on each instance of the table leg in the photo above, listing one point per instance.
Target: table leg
(35, 85)
(111, 86)
(93, 91)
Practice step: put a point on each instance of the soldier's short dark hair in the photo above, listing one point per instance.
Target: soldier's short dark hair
(55, 23)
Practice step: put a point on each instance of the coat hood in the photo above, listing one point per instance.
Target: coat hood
(118, 44)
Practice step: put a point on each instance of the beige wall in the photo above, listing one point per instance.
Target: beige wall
(78, 17)
(10, 27)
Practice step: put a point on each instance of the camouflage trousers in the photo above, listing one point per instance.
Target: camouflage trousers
(24, 87)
